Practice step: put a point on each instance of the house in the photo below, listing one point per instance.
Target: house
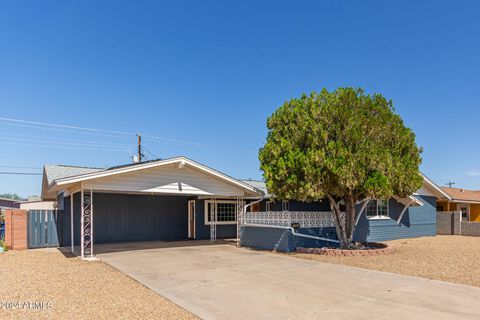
(466, 201)
(7, 203)
(169, 199)
(38, 205)
(178, 198)
(378, 220)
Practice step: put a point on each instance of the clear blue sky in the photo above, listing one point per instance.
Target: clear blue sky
(211, 72)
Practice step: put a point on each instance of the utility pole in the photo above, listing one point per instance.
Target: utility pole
(450, 183)
(139, 147)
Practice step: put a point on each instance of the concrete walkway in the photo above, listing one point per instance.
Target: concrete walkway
(224, 282)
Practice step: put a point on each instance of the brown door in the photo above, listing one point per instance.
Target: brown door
(191, 219)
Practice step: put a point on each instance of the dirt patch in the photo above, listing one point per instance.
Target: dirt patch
(447, 258)
(74, 289)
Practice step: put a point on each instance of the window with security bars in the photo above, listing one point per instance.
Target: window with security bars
(377, 208)
(226, 212)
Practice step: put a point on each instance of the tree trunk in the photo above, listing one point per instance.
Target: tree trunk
(349, 219)
(344, 226)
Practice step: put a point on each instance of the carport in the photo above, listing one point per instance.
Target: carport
(171, 199)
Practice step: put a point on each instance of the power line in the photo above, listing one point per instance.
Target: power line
(59, 142)
(95, 130)
(151, 153)
(57, 129)
(14, 135)
(64, 126)
(21, 173)
(20, 167)
(62, 147)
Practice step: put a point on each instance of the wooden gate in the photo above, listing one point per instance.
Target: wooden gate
(44, 228)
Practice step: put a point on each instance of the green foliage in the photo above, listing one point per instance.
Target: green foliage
(12, 196)
(343, 144)
(338, 143)
(3, 245)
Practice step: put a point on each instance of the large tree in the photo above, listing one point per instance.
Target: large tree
(345, 146)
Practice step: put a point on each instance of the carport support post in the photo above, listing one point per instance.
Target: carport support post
(86, 228)
(72, 245)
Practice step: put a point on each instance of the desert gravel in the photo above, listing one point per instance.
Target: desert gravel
(75, 289)
(447, 258)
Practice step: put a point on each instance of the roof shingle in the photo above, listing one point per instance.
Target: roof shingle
(462, 194)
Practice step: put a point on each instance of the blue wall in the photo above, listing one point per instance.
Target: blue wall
(416, 222)
(283, 240)
(203, 231)
(67, 219)
(127, 217)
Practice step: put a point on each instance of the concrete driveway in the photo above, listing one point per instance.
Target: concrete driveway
(225, 282)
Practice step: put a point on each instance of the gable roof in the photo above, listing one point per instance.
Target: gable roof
(460, 194)
(259, 185)
(55, 172)
(68, 175)
(437, 190)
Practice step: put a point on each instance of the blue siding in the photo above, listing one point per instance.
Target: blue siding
(417, 221)
(203, 231)
(67, 219)
(120, 217)
(126, 217)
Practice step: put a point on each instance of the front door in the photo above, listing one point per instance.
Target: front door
(191, 219)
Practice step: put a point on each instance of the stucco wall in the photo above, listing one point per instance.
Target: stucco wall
(475, 212)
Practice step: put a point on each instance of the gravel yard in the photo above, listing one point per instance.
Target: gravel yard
(447, 258)
(76, 289)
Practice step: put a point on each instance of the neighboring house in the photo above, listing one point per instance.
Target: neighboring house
(466, 201)
(6, 203)
(38, 205)
(178, 198)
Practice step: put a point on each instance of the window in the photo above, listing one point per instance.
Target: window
(268, 206)
(226, 211)
(284, 205)
(377, 209)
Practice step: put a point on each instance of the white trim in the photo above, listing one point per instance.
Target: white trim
(268, 205)
(362, 209)
(194, 218)
(379, 217)
(72, 238)
(81, 224)
(464, 201)
(434, 186)
(285, 205)
(185, 161)
(206, 202)
(405, 207)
